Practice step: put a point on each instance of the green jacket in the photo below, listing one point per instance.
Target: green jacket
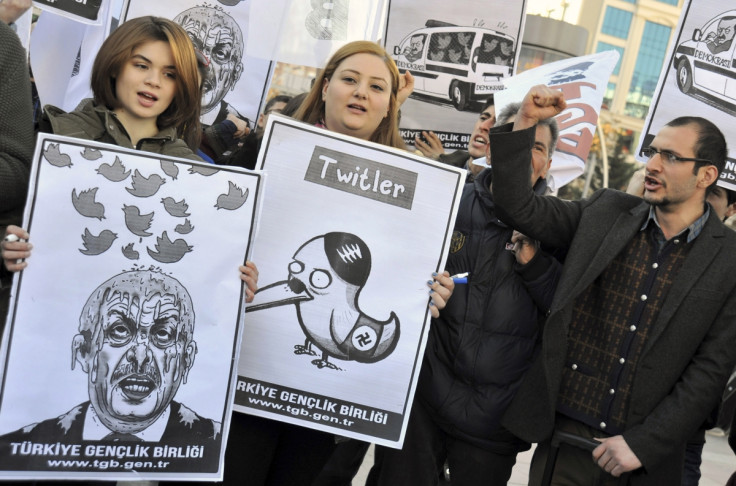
(97, 123)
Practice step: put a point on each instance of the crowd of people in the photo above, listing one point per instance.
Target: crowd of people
(611, 319)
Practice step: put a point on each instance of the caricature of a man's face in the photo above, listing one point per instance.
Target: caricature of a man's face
(417, 43)
(219, 38)
(726, 30)
(140, 348)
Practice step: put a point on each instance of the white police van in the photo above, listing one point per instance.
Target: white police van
(459, 64)
(705, 64)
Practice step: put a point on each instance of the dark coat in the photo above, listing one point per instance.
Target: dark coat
(97, 123)
(690, 351)
(483, 341)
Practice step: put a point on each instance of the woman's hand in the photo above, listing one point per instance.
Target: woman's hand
(249, 275)
(406, 86)
(441, 287)
(15, 248)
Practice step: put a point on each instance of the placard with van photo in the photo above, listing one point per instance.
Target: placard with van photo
(350, 233)
(698, 77)
(458, 57)
(119, 347)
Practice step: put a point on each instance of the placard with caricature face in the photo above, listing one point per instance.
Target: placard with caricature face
(119, 346)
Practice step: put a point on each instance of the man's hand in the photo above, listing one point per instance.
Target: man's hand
(241, 126)
(11, 10)
(406, 86)
(524, 247)
(615, 457)
(539, 103)
(432, 148)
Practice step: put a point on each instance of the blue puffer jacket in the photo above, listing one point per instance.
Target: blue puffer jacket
(484, 340)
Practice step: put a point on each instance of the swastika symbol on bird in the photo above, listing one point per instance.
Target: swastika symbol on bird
(364, 338)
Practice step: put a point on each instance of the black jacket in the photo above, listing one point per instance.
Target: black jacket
(484, 340)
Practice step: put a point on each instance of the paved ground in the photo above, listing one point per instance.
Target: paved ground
(719, 462)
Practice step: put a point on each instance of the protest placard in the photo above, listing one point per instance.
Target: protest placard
(350, 233)
(119, 348)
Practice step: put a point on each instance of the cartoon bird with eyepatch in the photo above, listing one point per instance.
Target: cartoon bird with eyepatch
(326, 276)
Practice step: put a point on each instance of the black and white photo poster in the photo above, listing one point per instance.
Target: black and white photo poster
(236, 83)
(350, 233)
(699, 77)
(119, 348)
(459, 54)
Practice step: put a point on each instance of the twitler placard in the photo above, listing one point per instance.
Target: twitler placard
(350, 233)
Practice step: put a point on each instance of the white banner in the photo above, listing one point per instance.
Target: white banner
(459, 56)
(85, 11)
(236, 83)
(350, 234)
(119, 348)
(306, 32)
(699, 77)
(63, 51)
(583, 80)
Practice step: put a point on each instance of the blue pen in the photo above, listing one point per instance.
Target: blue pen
(460, 278)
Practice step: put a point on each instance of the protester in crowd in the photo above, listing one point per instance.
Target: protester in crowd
(294, 103)
(482, 343)
(146, 87)
(723, 204)
(639, 341)
(247, 155)
(16, 131)
(358, 93)
(433, 148)
(146, 96)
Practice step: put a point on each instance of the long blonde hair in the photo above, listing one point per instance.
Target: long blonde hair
(312, 110)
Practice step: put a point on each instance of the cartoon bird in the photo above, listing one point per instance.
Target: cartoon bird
(55, 157)
(184, 229)
(86, 205)
(91, 154)
(168, 251)
(115, 172)
(203, 170)
(130, 253)
(137, 223)
(178, 209)
(325, 279)
(145, 187)
(94, 245)
(233, 199)
(170, 169)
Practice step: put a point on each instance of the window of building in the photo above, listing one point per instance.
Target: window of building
(669, 2)
(617, 22)
(605, 46)
(608, 96)
(652, 50)
(633, 1)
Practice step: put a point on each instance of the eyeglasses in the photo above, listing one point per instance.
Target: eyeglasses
(668, 156)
